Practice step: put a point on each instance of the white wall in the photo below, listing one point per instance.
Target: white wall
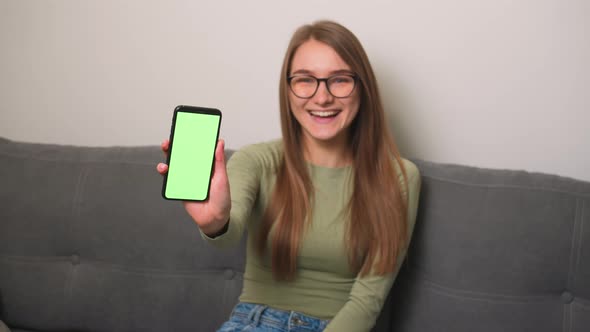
(501, 84)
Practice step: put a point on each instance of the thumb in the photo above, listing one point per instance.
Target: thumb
(220, 156)
(220, 151)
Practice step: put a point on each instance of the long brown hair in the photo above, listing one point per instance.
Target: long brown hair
(376, 213)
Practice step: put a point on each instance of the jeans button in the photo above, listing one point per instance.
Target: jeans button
(298, 321)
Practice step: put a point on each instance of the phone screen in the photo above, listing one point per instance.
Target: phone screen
(193, 138)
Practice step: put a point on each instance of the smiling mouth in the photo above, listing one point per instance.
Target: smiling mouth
(324, 114)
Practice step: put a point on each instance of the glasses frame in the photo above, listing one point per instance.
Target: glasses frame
(355, 80)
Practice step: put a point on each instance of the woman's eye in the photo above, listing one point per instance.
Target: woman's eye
(305, 80)
(341, 79)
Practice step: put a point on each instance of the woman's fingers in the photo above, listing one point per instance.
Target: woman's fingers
(162, 168)
(219, 158)
(165, 145)
(220, 151)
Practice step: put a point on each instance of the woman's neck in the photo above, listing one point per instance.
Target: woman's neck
(333, 153)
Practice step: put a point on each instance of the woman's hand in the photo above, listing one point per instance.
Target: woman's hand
(213, 214)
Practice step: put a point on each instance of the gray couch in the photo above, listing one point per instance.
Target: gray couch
(88, 244)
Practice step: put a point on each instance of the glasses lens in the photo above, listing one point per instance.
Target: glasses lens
(303, 86)
(341, 86)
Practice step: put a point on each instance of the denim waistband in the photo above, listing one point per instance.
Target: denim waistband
(287, 320)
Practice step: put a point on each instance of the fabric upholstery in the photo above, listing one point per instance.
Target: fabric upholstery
(88, 244)
(496, 250)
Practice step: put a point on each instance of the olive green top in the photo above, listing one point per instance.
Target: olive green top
(324, 286)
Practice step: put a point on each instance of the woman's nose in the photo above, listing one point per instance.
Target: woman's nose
(322, 95)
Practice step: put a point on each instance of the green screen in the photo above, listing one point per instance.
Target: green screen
(192, 151)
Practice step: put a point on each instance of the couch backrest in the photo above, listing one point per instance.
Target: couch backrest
(496, 250)
(87, 243)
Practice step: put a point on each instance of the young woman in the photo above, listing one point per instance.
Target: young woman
(329, 208)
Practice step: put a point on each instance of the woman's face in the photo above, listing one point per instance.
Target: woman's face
(323, 117)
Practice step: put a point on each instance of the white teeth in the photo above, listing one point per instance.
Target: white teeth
(323, 114)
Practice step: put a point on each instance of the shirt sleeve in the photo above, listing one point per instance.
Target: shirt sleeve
(368, 293)
(244, 174)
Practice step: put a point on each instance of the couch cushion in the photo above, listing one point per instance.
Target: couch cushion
(496, 250)
(87, 243)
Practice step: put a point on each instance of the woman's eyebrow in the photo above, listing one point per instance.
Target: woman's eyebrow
(301, 71)
(334, 72)
(341, 71)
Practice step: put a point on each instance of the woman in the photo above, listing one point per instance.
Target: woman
(329, 209)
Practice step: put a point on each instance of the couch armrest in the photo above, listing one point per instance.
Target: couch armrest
(3, 327)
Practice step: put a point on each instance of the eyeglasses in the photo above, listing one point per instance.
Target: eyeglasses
(306, 86)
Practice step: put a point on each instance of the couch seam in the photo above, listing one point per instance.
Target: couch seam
(74, 218)
(488, 297)
(566, 325)
(580, 242)
(117, 267)
(573, 252)
(77, 160)
(454, 291)
(572, 268)
(35, 259)
(584, 303)
(435, 285)
(506, 186)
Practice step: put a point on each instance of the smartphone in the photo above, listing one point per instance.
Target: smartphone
(191, 153)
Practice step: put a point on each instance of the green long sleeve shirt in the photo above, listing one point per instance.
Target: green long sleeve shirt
(324, 286)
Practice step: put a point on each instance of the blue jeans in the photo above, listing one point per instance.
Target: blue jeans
(260, 318)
